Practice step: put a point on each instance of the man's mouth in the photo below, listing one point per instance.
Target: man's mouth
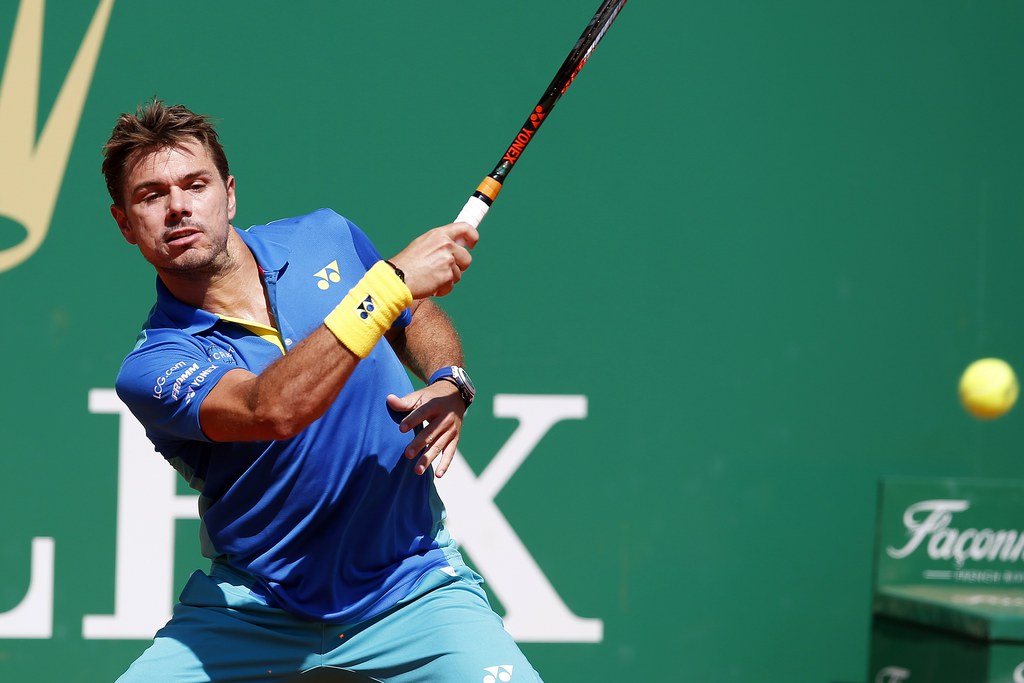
(182, 237)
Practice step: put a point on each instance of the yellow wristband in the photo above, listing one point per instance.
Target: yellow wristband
(369, 309)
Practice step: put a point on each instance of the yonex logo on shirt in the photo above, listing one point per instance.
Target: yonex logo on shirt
(328, 274)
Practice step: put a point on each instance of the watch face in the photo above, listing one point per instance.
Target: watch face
(464, 380)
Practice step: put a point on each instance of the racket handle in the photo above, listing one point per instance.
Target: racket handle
(473, 212)
(479, 202)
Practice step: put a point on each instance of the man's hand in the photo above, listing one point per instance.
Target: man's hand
(441, 406)
(435, 261)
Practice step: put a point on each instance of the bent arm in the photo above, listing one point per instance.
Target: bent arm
(295, 390)
(285, 398)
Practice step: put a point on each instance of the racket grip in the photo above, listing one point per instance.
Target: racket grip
(473, 212)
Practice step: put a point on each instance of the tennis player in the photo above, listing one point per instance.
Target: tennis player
(269, 374)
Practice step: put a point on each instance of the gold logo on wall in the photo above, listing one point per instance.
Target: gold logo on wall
(31, 170)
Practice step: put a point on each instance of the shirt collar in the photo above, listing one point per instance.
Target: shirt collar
(272, 258)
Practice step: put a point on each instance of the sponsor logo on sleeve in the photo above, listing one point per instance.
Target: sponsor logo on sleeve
(221, 355)
(197, 382)
(161, 380)
(181, 376)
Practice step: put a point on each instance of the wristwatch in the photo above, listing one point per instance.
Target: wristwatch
(459, 377)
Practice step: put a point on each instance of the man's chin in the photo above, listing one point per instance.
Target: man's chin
(192, 263)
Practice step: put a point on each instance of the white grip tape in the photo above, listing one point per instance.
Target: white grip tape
(473, 212)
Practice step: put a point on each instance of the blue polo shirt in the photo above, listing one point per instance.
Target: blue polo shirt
(333, 523)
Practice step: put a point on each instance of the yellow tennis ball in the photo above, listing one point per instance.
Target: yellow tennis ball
(988, 388)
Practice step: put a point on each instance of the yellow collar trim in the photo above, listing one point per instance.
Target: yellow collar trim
(264, 332)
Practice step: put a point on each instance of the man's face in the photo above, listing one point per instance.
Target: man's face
(177, 209)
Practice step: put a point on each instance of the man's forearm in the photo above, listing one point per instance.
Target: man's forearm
(429, 342)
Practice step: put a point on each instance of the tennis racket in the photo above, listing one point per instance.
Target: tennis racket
(480, 201)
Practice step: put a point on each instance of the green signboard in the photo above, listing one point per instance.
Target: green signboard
(938, 533)
(949, 591)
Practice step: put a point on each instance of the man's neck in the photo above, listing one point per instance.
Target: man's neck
(234, 288)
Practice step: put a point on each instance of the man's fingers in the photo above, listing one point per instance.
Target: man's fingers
(403, 410)
(411, 420)
(433, 263)
(444, 449)
(432, 440)
(430, 435)
(398, 409)
(446, 458)
(464, 234)
(463, 258)
(421, 441)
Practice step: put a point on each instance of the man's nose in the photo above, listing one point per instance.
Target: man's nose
(179, 204)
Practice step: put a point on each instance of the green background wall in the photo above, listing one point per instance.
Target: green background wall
(762, 238)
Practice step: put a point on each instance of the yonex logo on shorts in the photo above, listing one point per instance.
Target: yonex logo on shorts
(498, 674)
(366, 308)
(328, 274)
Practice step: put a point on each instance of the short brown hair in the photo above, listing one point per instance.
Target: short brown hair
(155, 126)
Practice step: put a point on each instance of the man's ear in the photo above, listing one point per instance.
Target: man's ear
(122, 223)
(232, 201)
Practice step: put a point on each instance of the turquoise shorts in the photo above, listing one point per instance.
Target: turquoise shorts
(220, 631)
